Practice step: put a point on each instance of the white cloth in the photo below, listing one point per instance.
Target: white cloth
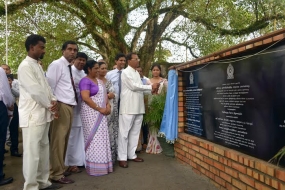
(36, 94)
(132, 92)
(129, 131)
(5, 90)
(15, 88)
(75, 154)
(113, 76)
(58, 76)
(36, 156)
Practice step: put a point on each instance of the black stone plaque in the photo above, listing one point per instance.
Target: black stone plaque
(239, 102)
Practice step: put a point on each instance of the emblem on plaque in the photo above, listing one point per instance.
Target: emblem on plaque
(230, 71)
(191, 78)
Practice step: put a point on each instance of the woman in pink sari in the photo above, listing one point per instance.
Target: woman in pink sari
(94, 109)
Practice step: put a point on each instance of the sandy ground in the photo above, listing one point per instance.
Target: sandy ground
(158, 172)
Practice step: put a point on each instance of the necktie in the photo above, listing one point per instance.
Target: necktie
(119, 82)
(72, 82)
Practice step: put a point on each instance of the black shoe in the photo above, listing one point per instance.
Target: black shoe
(16, 154)
(6, 181)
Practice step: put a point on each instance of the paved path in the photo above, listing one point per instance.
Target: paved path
(158, 172)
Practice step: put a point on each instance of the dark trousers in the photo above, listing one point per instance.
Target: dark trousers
(14, 132)
(4, 120)
(145, 132)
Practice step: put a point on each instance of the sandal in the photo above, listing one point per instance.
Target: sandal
(74, 169)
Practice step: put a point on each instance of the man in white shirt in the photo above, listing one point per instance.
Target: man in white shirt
(36, 105)
(14, 124)
(6, 102)
(131, 110)
(59, 76)
(114, 75)
(75, 154)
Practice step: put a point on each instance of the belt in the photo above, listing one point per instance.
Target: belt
(66, 104)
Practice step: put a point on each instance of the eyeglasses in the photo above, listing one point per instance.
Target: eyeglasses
(136, 59)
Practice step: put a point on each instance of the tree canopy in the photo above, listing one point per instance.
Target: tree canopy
(152, 28)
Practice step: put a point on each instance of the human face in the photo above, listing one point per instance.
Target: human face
(103, 70)
(38, 51)
(10, 81)
(121, 63)
(140, 71)
(93, 72)
(134, 62)
(115, 67)
(155, 72)
(70, 52)
(79, 63)
(6, 69)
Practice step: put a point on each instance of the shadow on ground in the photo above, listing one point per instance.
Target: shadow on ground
(158, 172)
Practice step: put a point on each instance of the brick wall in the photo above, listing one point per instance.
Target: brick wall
(226, 168)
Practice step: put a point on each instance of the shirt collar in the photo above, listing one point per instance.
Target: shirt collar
(66, 63)
(132, 69)
(31, 59)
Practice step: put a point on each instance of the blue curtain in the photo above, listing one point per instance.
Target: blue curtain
(169, 124)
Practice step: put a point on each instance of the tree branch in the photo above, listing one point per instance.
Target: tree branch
(180, 44)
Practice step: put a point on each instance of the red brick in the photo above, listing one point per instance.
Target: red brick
(181, 119)
(189, 145)
(280, 174)
(210, 175)
(214, 170)
(278, 37)
(219, 150)
(213, 156)
(180, 129)
(250, 188)
(180, 151)
(193, 141)
(192, 152)
(238, 184)
(196, 171)
(223, 160)
(204, 152)
(255, 175)
(200, 156)
(241, 49)
(239, 167)
(266, 41)
(249, 172)
(248, 162)
(231, 172)
(232, 155)
(234, 51)
(281, 186)
(205, 165)
(259, 43)
(274, 183)
(220, 181)
(208, 161)
(185, 149)
(249, 46)
(246, 179)
(261, 186)
(240, 159)
(219, 166)
(228, 53)
(225, 176)
(270, 171)
(196, 148)
(230, 187)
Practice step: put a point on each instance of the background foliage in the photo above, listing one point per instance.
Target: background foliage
(159, 30)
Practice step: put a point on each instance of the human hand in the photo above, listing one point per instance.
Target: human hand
(111, 95)
(11, 108)
(54, 107)
(103, 111)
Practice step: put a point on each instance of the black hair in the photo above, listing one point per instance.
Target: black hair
(158, 66)
(33, 40)
(65, 44)
(82, 55)
(89, 65)
(10, 76)
(101, 63)
(119, 55)
(129, 56)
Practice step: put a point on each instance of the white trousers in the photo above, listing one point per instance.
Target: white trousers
(128, 135)
(75, 154)
(36, 156)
